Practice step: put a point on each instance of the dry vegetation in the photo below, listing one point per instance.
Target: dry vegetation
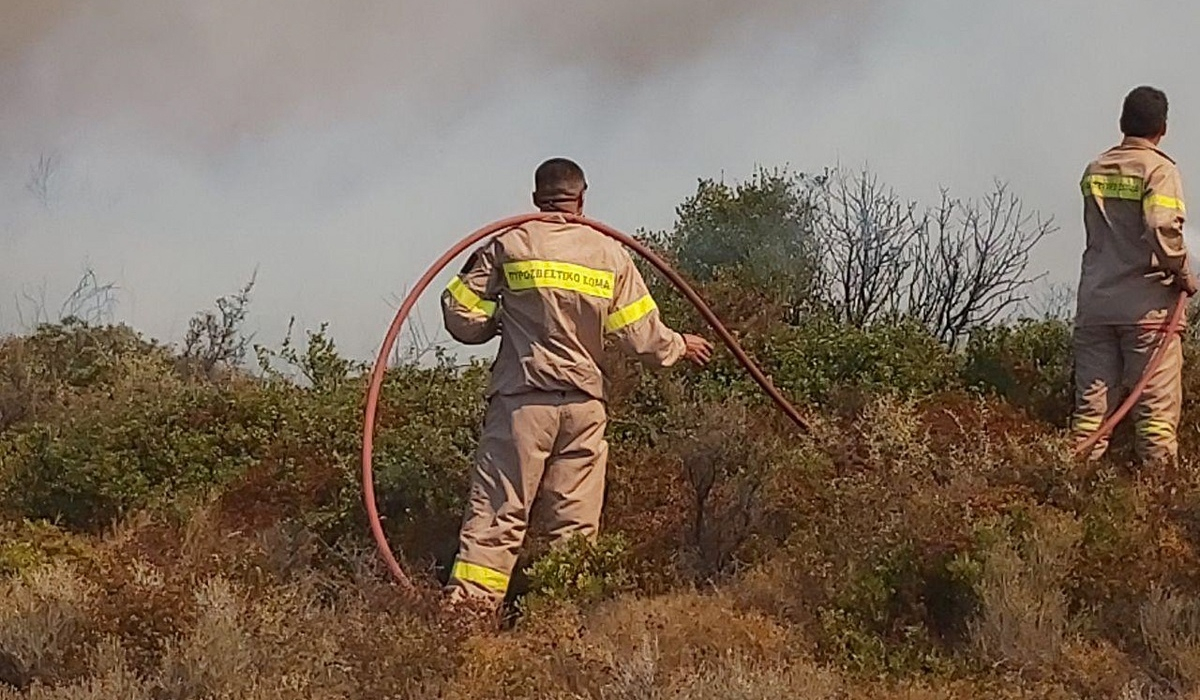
(173, 527)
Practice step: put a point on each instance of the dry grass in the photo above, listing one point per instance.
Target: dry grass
(43, 615)
(908, 549)
(742, 680)
(1170, 626)
(258, 625)
(1024, 616)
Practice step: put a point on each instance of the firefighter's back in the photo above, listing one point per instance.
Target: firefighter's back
(1121, 283)
(559, 281)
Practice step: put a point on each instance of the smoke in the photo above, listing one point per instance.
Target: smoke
(339, 147)
(175, 146)
(219, 72)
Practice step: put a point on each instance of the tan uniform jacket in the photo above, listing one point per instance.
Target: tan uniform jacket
(1133, 213)
(553, 291)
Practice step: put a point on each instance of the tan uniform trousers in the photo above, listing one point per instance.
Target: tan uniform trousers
(547, 446)
(1109, 361)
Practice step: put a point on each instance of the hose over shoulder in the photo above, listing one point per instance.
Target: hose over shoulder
(380, 369)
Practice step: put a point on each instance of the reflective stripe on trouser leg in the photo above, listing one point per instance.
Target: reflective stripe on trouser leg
(1084, 426)
(1156, 429)
(485, 582)
(572, 493)
(517, 439)
(1098, 366)
(1158, 411)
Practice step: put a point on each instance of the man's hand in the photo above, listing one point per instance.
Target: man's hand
(698, 350)
(1187, 282)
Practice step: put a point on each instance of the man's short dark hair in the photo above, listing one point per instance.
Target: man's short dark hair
(1145, 113)
(558, 177)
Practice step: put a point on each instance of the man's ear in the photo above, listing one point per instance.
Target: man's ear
(533, 197)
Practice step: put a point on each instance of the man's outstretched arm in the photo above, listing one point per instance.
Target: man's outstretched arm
(636, 325)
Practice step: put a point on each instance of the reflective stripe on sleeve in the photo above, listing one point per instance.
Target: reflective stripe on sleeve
(463, 295)
(1129, 187)
(1158, 200)
(1083, 424)
(549, 274)
(628, 315)
(481, 575)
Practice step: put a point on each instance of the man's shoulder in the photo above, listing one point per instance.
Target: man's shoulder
(1124, 159)
(1158, 158)
(1147, 152)
(516, 237)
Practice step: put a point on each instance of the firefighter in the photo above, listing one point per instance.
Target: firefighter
(553, 292)
(1134, 268)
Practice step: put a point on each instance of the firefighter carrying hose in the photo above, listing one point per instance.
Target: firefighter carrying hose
(553, 292)
(1134, 267)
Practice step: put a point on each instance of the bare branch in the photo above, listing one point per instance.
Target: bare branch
(866, 234)
(91, 301)
(43, 179)
(973, 262)
(214, 339)
(1052, 302)
(420, 342)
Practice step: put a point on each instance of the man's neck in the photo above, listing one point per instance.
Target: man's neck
(560, 209)
(1151, 140)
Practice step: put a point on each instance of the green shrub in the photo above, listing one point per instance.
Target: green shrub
(25, 545)
(883, 621)
(581, 571)
(43, 373)
(820, 358)
(109, 459)
(1029, 364)
(129, 433)
(759, 232)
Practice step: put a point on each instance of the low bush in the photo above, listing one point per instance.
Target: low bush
(1029, 364)
(922, 541)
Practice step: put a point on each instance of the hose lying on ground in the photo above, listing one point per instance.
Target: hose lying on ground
(380, 369)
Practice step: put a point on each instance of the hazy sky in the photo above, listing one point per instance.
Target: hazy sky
(341, 146)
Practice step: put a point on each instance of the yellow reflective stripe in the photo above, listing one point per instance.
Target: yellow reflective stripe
(473, 573)
(1158, 200)
(1156, 428)
(1130, 187)
(1087, 425)
(532, 274)
(628, 315)
(463, 295)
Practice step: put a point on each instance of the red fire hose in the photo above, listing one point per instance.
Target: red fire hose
(377, 375)
(380, 369)
(1174, 325)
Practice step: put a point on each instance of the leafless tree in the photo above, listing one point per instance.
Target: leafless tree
(419, 342)
(214, 339)
(1052, 302)
(972, 262)
(43, 176)
(32, 307)
(91, 301)
(866, 234)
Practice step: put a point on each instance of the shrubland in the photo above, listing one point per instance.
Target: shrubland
(181, 522)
